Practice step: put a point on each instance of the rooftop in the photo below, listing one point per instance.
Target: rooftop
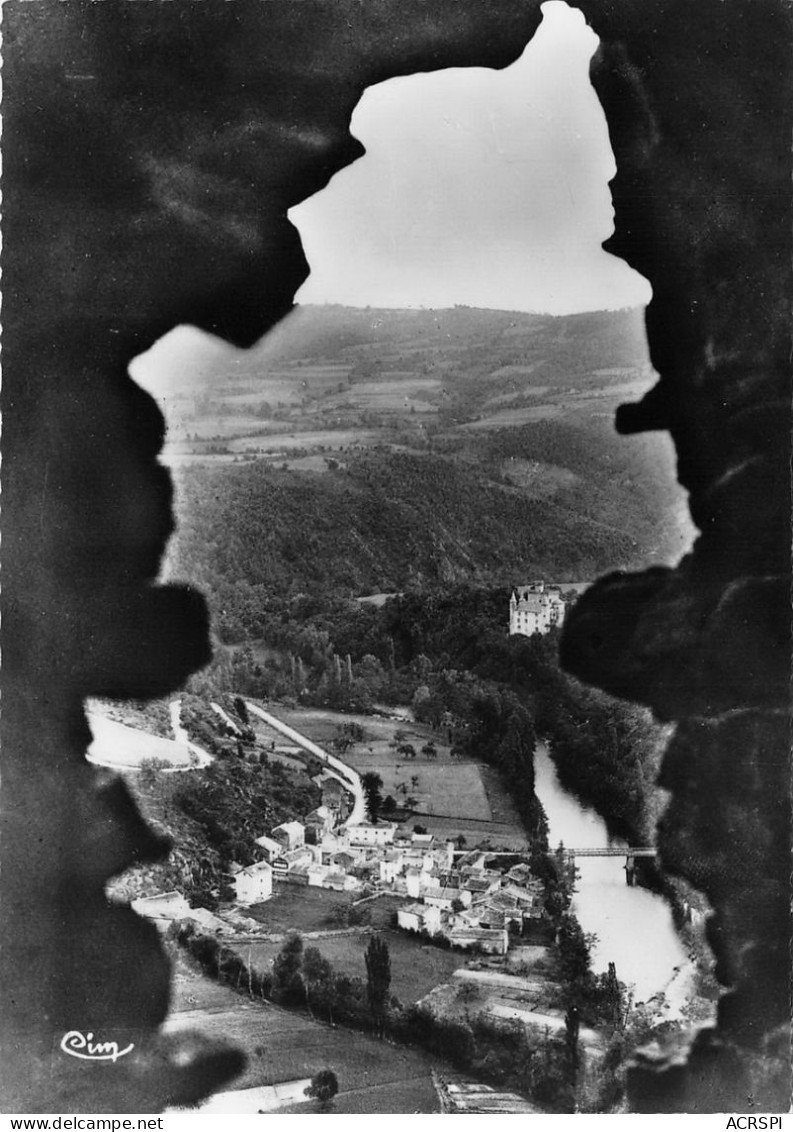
(255, 869)
(445, 893)
(415, 909)
(290, 827)
(478, 933)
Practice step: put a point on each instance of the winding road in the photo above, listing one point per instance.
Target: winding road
(349, 778)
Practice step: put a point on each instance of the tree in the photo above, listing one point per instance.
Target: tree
(572, 1026)
(389, 804)
(347, 735)
(342, 740)
(317, 972)
(287, 965)
(378, 977)
(371, 783)
(429, 750)
(324, 1086)
(573, 951)
(613, 998)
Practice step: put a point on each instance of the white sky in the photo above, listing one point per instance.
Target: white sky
(478, 187)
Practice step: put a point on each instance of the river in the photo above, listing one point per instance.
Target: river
(633, 926)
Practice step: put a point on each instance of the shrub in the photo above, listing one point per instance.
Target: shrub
(324, 1086)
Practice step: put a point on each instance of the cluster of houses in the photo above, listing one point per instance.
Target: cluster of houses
(473, 906)
(447, 893)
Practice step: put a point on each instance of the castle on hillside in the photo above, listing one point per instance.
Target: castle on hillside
(535, 608)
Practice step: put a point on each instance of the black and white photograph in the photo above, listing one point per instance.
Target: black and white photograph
(396, 560)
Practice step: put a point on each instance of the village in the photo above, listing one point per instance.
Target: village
(465, 923)
(447, 892)
(439, 891)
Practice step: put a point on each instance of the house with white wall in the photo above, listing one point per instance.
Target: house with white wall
(335, 797)
(390, 867)
(317, 874)
(270, 848)
(413, 883)
(494, 941)
(319, 822)
(445, 897)
(299, 857)
(371, 833)
(419, 917)
(254, 884)
(290, 834)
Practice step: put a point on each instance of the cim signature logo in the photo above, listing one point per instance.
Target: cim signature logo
(78, 1044)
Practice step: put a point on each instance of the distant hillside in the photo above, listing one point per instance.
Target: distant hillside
(368, 450)
(335, 333)
(323, 363)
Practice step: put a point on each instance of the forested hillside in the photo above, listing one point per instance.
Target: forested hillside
(385, 521)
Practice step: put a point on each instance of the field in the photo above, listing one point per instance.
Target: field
(442, 785)
(452, 789)
(416, 967)
(321, 726)
(333, 369)
(486, 834)
(300, 908)
(450, 796)
(374, 1076)
(516, 416)
(502, 807)
(286, 441)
